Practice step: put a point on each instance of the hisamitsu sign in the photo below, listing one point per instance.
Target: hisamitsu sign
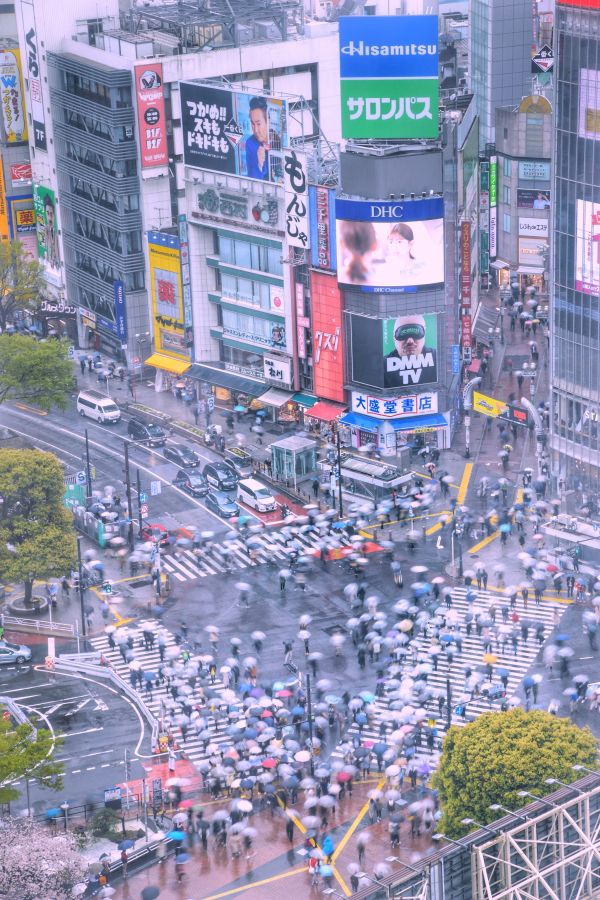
(389, 76)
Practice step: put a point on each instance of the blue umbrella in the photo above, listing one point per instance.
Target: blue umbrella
(326, 871)
(562, 637)
(505, 527)
(176, 835)
(150, 893)
(125, 845)
(239, 408)
(182, 858)
(150, 676)
(361, 719)
(53, 813)
(367, 696)
(247, 783)
(528, 681)
(332, 699)
(298, 711)
(501, 671)
(379, 748)
(447, 638)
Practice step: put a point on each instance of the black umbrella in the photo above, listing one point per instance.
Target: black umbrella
(150, 893)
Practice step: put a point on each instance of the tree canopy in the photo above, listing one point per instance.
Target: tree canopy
(25, 753)
(20, 281)
(501, 753)
(35, 863)
(37, 539)
(36, 372)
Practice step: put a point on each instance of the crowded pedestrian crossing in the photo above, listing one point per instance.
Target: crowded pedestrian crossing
(451, 679)
(205, 692)
(217, 559)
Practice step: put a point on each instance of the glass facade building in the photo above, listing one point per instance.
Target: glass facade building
(575, 309)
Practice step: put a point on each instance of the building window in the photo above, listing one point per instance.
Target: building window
(506, 223)
(506, 168)
(248, 255)
(505, 194)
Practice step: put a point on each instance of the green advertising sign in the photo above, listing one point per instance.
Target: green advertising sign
(44, 205)
(493, 181)
(386, 108)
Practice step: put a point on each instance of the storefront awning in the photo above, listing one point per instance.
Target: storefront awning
(363, 423)
(304, 400)
(326, 412)
(499, 264)
(167, 363)
(231, 381)
(416, 423)
(530, 270)
(275, 398)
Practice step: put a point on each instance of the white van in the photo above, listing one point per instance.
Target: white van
(98, 406)
(254, 494)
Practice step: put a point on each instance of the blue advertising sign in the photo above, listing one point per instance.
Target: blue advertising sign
(321, 216)
(120, 314)
(455, 359)
(390, 210)
(388, 46)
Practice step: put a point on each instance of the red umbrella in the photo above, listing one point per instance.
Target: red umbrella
(266, 714)
(284, 693)
(343, 776)
(186, 804)
(551, 568)
(269, 763)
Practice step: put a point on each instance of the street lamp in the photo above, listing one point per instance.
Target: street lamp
(495, 807)
(80, 587)
(579, 768)
(141, 339)
(65, 808)
(438, 836)
(479, 825)
(535, 797)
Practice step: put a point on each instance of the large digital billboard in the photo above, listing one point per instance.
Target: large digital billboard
(398, 352)
(587, 247)
(385, 246)
(233, 132)
(389, 76)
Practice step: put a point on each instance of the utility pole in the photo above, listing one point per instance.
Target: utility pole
(448, 703)
(339, 466)
(310, 724)
(81, 587)
(88, 468)
(130, 535)
(139, 498)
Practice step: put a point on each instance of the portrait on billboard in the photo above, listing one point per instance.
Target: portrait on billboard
(410, 350)
(389, 256)
(46, 221)
(233, 132)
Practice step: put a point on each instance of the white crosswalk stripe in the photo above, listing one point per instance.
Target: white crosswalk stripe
(517, 663)
(187, 565)
(150, 662)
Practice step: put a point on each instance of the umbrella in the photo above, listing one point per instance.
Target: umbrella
(176, 835)
(125, 845)
(150, 893)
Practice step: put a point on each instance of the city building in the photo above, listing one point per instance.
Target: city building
(575, 335)
(500, 58)
(521, 164)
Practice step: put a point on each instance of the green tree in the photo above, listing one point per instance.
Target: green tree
(499, 754)
(36, 531)
(36, 372)
(20, 281)
(27, 753)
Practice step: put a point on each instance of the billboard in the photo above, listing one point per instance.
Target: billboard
(46, 221)
(328, 356)
(530, 169)
(385, 246)
(21, 220)
(488, 406)
(493, 207)
(168, 324)
(233, 132)
(532, 252)
(398, 352)
(589, 104)
(394, 407)
(295, 184)
(12, 100)
(527, 199)
(321, 210)
(389, 76)
(151, 115)
(587, 247)
(120, 313)
(533, 227)
(34, 75)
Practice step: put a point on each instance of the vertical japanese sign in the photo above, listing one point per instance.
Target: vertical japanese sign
(120, 313)
(321, 208)
(465, 283)
(302, 322)
(328, 357)
(34, 76)
(493, 207)
(151, 115)
(484, 223)
(295, 185)
(389, 76)
(170, 334)
(184, 250)
(11, 96)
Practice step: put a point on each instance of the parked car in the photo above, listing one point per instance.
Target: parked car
(99, 407)
(156, 533)
(147, 433)
(194, 483)
(13, 653)
(221, 504)
(220, 476)
(182, 456)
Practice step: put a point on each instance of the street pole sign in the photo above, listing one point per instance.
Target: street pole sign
(155, 487)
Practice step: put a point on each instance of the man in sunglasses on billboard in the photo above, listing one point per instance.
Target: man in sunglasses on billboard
(408, 361)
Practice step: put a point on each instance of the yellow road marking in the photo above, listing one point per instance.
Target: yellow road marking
(33, 409)
(254, 884)
(464, 483)
(487, 540)
(361, 814)
(341, 882)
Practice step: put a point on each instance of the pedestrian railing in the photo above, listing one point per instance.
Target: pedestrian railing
(18, 714)
(37, 626)
(81, 664)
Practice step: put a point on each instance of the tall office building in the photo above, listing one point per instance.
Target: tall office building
(500, 64)
(575, 200)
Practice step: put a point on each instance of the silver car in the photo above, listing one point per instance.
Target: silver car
(13, 653)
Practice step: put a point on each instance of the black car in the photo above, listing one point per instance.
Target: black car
(221, 504)
(147, 433)
(194, 483)
(220, 476)
(182, 456)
